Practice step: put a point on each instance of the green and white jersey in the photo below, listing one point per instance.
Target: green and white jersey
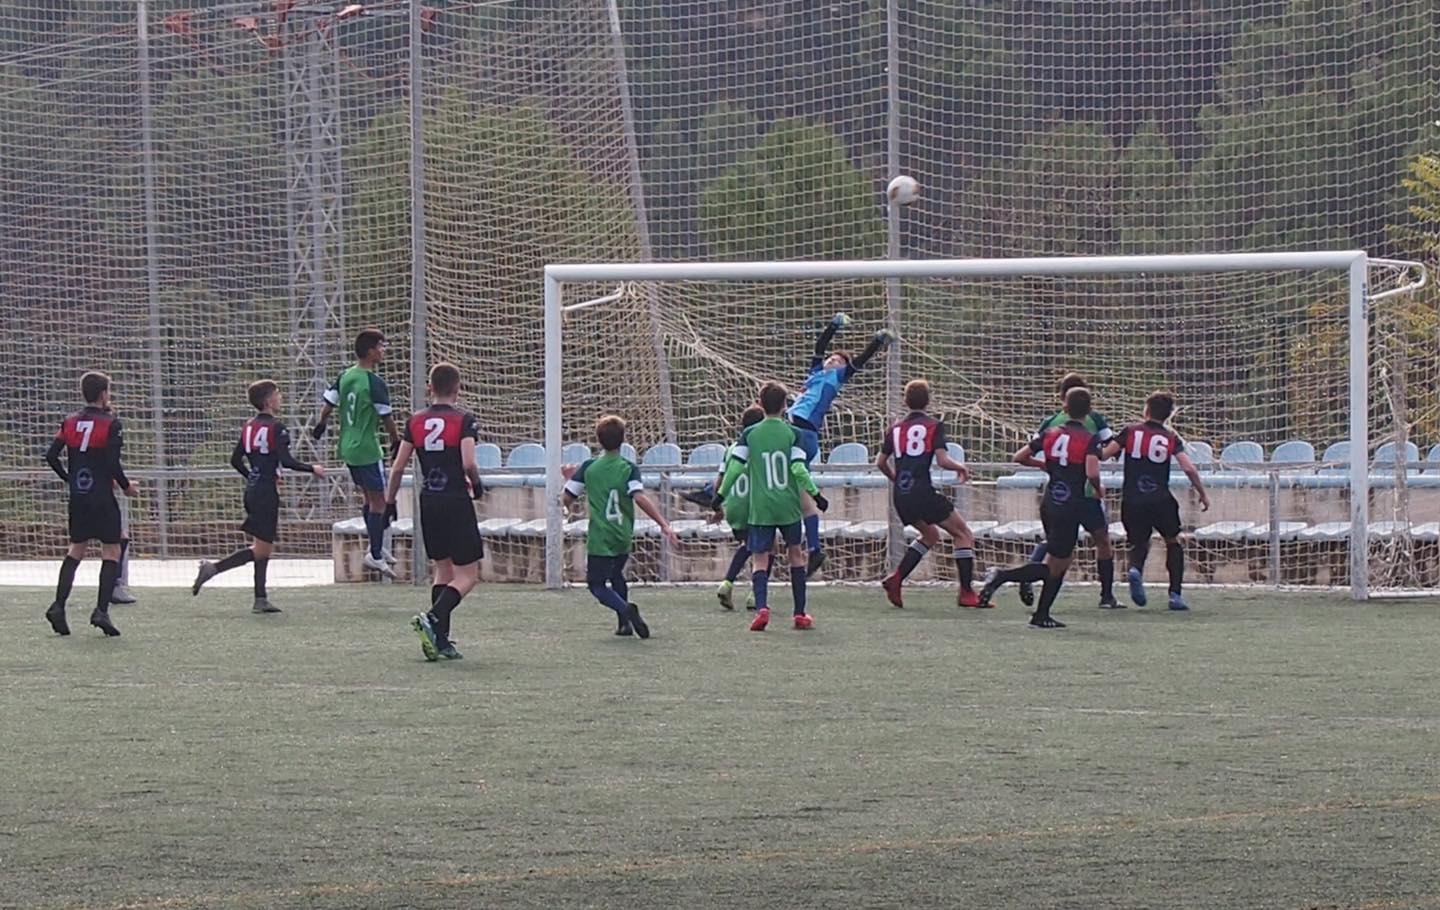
(609, 483)
(1094, 422)
(362, 398)
(774, 464)
(737, 502)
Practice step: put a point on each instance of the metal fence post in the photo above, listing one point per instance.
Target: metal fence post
(152, 274)
(419, 310)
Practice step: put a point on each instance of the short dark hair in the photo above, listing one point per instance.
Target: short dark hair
(260, 391)
(844, 355)
(917, 394)
(444, 379)
(1077, 402)
(1072, 381)
(1160, 405)
(94, 384)
(772, 398)
(610, 430)
(367, 341)
(752, 415)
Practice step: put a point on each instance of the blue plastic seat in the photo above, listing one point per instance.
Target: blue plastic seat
(1433, 459)
(851, 453)
(525, 455)
(661, 455)
(1200, 452)
(487, 455)
(1296, 451)
(709, 455)
(1244, 452)
(955, 451)
(627, 452)
(1385, 455)
(574, 453)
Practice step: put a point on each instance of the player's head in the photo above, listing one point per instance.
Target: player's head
(95, 386)
(1159, 406)
(610, 430)
(772, 398)
(264, 395)
(1077, 403)
(444, 382)
(917, 394)
(751, 416)
(838, 359)
(1071, 381)
(370, 346)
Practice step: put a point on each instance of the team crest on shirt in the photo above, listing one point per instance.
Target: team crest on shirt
(1146, 484)
(84, 480)
(1059, 491)
(904, 482)
(437, 480)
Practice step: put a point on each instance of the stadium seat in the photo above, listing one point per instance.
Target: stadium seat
(1242, 453)
(851, 453)
(574, 453)
(1337, 455)
(527, 455)
(1200, 452)
(627, 452)
(497, 527)
(868, 530)
(660, 455)
(706, 459)
(1296, 451)
(1024, 531)
(487, 455)
(957, 452)
(1226, 531)
(1288, 531)
(1022, 479)
(1326, 532)
(1432, 460)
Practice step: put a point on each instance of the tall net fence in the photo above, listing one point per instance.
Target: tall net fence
(193, 196)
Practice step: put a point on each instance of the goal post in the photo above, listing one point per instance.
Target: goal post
(1351, 267)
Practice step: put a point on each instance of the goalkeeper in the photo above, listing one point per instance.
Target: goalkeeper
(828, 372)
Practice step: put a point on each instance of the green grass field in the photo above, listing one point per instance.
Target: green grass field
(1263, 751)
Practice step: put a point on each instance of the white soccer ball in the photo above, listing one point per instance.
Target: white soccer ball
(903, 189)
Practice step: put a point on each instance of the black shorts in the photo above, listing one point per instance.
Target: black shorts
(1062, 527)
(94, 517)
(262, 512)
(928, 507)
(1144, 516)
(451, 532)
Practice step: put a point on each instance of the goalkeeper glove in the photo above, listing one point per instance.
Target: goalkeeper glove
(477, 489)
(317, 432)
(840, 320)
(884, 337)
(392, 512)
(717, 503)
(821, 502)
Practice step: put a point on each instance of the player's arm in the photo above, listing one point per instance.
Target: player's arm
(117, 442)
(397, 474)
(380, 400)
(739, 454)
(943, 459)
(237, 460)
(822, 343)
(574, 485)
(878, 342)
(647, 505)
(1110, 449)
(282, 444)
(803, 477)
(1193, 473)
(883, 465)
(52, 458)
(469, 440)
(1025, 455)
(1092, 471)
(328, 402)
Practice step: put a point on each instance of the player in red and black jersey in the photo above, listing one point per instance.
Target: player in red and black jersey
(91, 439)
(913, 444)
(1146, 504)
(445, 438)
(265, 442)
(1072, 457)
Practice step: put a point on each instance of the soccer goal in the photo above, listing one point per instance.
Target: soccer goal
(1295, 389)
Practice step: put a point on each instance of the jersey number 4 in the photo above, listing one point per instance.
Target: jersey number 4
(1158, 450)
(257, 439)
(612, 507)
(1060, 450)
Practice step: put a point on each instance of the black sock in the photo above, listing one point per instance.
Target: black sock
(1031, 571)
(1175, 563)
(1105, 568)
(235, 560)
(260, 566)
(1047, 596)
(913, 554)
(124, 555)
(445, 604)
(109, 572)
(737, 563)
(1138, 554)
(965, 561)
(68, 565)
(435, 593)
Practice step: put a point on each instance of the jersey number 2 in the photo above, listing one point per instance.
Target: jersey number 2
(434, 426)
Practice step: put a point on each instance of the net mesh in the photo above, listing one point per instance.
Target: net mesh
(273, 173)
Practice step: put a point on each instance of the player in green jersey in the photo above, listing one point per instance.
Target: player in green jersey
(612, 488)
(1095, 520)
(737, 516)
(771, 458)
(363, 401)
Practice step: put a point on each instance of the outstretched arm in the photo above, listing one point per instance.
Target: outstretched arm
(1193, 473)
(647, 505)
(878, 342)
(822, 344)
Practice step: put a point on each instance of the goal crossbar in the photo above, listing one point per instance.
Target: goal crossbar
(1354, 262)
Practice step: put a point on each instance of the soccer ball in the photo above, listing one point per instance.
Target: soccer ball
(903, 189)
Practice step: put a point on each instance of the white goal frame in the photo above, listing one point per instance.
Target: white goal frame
(1356, 263)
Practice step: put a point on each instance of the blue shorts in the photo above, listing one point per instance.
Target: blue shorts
(368, 477)
(762, 537)
(809, 442)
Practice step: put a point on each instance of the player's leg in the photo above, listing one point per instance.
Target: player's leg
(810, 513)
(1027, 589)
(1136, 518)
(621, 587)
(799, 576)
(262, 550)
(122, 593)
(1062, 531)
(597, 581)
(109, 574)
(1167, 522)
(55, 615)
(762, 541)
(371, 482)
(1098, 524)
(1023, 575)
(726, 592)
(964, 539)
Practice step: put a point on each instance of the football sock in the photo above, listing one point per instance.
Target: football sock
(235, 560)
(797, 588)
(109, 573)
(1031, 571)
(1105, 569)
(1175, 564)
(261, 565)
(812, 532)
(445, 604)
(737, 563)
(125, 560)
(602, 593)
(760, 584)
(1048, 594)
(913, 554)
(68, 565)
(435, 593)
(965, 562)
(375, 529)
(1138, 554)
(1039, 554)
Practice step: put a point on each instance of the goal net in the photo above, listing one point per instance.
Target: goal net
(1291, 400)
